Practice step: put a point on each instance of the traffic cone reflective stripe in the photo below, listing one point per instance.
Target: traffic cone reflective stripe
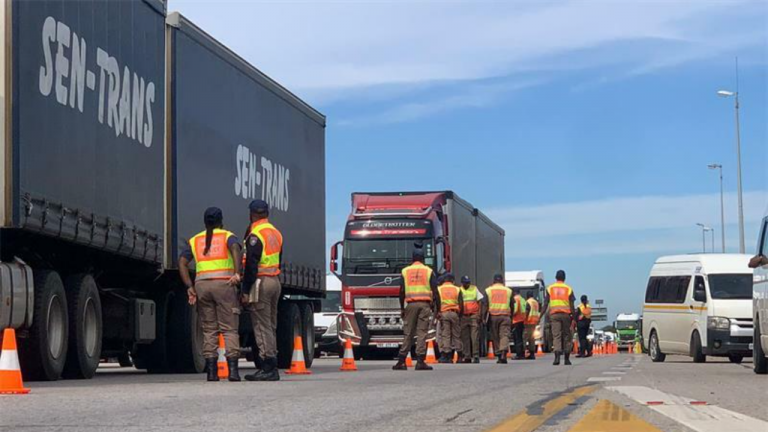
(298, 366)
(348, 362)
(221, 363)
(431, 359)
(491, 354)
(409, 360)
(10, 370)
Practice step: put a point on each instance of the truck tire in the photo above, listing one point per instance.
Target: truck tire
(308, 337)
(697, 352)
(288, 328)
(154, 357)
(654, 349)
(760, 363)
(184, 336)
(85, 327)
(42, 355)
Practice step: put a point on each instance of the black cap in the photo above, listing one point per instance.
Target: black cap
(466, 279)
(448, 277)
(560, 275)
(213, 216)
(258, 206)
(584, 298)
(418, 254)
(498, 278)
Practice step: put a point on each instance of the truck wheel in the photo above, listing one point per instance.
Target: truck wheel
(185, 336)
(154, 357)
(654, 350)
(696, 350)
(308, 325)
(85, 327)
(42, 355)
(288, 328)
(758, 353)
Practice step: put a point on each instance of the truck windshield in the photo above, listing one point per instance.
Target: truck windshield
(381, 256)
(331, 302)
(627, 325)
(730, 286)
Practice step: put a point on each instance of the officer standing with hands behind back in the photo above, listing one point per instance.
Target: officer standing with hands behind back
(261, 286)
(216, 253)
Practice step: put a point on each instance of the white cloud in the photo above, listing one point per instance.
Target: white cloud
(317, 46)
(624, 225)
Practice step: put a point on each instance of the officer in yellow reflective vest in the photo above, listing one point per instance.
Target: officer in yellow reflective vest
(583, 322)
(261, 286)
(531, 321)
(473, 305)
(559, 303)
(519, 315)
(418, 295)
(451, 306)
(216, 253)
(500, 316)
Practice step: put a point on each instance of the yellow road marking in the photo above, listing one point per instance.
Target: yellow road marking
(608, 417)
(528, 422)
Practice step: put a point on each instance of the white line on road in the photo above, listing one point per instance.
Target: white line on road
(702, 418)
(603, 379)
(614, 373)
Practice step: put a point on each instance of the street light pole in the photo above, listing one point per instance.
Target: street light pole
(722, 204)
(712, 230)
(704, 230)
(725, 93)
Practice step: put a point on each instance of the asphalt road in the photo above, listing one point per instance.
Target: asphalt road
(616, 393)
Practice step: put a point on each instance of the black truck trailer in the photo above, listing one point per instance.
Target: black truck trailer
(121, 124)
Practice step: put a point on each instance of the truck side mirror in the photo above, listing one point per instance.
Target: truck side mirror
(335, 259)
(758, 261)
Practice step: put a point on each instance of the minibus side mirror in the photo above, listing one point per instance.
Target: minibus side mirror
(758, 261)
(700, 294)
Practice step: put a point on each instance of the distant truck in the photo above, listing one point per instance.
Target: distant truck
(532, 281)
(121, 124)
(381, 233)
(629, 329)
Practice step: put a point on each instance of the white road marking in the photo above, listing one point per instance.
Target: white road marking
(614, 373)
(603, 379)
(702, 418)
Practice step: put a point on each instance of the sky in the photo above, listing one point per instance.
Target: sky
(583, 128)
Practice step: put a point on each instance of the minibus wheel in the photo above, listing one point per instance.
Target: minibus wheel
(696, 350)
(654, 350)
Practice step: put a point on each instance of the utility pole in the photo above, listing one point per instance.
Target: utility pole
(722, 204)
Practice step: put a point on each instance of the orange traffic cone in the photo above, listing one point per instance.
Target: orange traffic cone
(221, 363)
(10, 371)
(539, 351)
(491, 354)
(298, 367)
(348, 362)
(431, 359)
(455, 356)
(409, 360)
(575, 347)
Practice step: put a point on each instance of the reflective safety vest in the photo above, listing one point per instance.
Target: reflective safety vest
(586, 311)
(469, 297)
(559, 298)
(417, 288)
(449, 297)
(518, 315)
(533, 312)
(218, 262)
(498, 299)
(272, 245)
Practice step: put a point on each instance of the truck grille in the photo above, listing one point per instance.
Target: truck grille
(377, 303)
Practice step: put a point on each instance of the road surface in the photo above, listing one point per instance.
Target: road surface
(622, 392)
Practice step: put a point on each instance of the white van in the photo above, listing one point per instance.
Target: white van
(760, 301)
(699, 305)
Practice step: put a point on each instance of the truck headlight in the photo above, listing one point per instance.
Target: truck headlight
(718, 323)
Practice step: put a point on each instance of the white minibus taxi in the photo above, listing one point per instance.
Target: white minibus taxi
(699, 305)
(760, 299)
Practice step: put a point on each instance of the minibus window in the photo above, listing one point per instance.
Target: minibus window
(730, 286)
(667, 289)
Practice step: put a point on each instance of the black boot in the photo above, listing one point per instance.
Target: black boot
(400, 365)
(557, 359)
(445, 358)
(421, 365)
(459, 356)
(567, 359)
(234, 370)
(503, 357)
(212, 367)
(267, 373)
(476, 360)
